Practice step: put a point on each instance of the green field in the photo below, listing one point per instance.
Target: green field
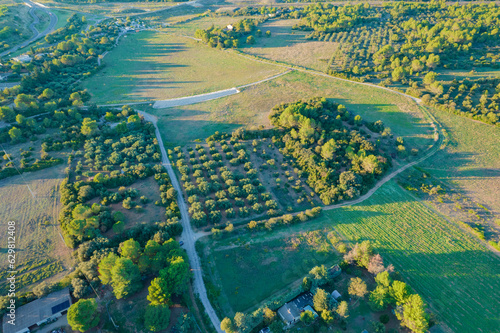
(291, 46)
(40, 250)
(457, 276)
(252, 273)
(251, 107)
(471, 160)
(154, 66)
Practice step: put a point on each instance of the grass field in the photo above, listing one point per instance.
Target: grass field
(291, 46)
(456, 275)
(471, 161)
(155, 66)
(192, 23)
(40, 251)
(18, 18)
(251, 107)
(254, 271)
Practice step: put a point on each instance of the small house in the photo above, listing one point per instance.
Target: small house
(229, 27)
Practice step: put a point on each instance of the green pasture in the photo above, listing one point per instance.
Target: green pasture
(471, 161)
(148, 66)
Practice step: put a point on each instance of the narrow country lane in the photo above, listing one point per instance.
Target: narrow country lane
(188, 235)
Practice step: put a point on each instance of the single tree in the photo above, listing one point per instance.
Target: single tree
(83, 315)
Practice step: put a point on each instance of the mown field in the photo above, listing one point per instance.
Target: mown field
(41, 253)
(291, 46)
(184, 124)
(471, 160)
(456, 275)
(150, 66)
(252, 270)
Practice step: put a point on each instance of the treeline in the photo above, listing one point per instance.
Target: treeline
(328, 144)
(409, 44)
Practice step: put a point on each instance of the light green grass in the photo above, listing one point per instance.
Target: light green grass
(457, 275)
(291, 46)
(189, 27)
(37, 244)
(155, 66)
(471, 161)
(251, 273)
(252, 106)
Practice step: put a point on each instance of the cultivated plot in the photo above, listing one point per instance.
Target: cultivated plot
(456, 274)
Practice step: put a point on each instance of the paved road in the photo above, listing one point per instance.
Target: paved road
(36, 34)
(188, 236)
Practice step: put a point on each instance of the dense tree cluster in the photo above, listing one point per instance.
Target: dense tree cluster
(339, 161)
(230, 36)
(409, 43)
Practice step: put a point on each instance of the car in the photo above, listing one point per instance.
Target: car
(181, 243)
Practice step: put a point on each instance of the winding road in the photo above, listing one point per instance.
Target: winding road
(36, 34)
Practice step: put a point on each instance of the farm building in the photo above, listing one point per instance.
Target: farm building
(290, 312)
(47, 309)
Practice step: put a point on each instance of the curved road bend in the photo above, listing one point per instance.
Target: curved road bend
(188, 236)
(36, 34)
